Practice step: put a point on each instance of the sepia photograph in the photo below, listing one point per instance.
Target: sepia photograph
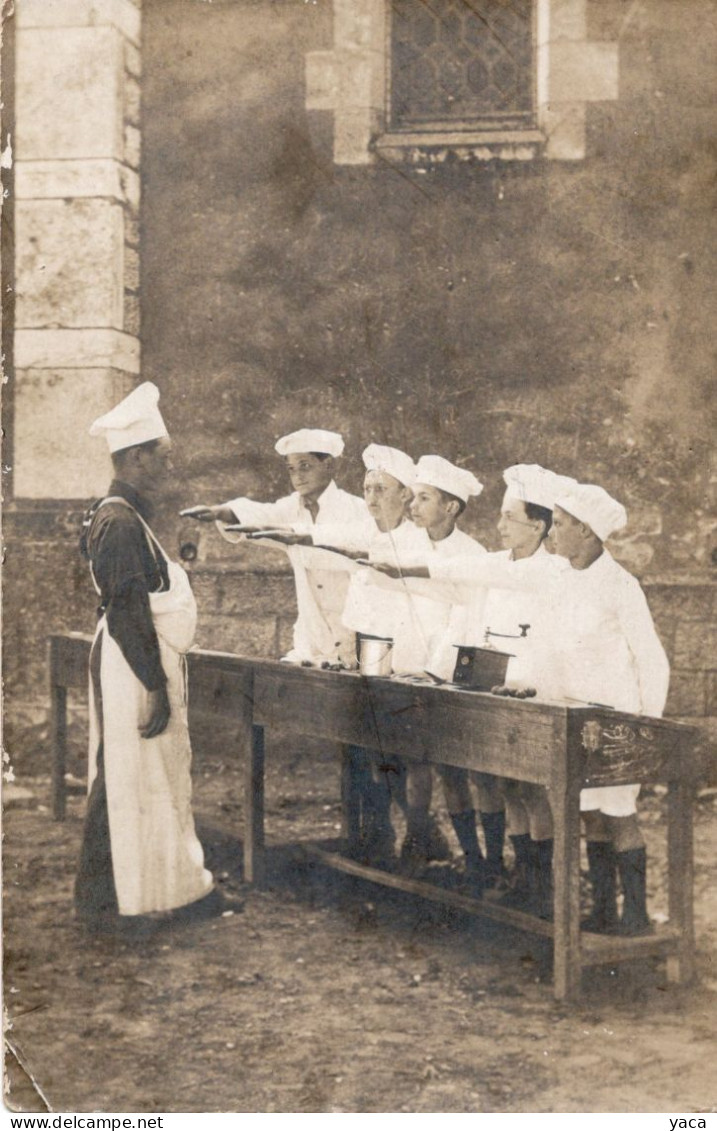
(359, 557)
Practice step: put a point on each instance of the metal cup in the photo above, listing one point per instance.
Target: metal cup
(375, 655)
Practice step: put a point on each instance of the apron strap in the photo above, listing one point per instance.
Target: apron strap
(152, 542)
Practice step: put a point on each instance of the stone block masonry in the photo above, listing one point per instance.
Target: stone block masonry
(77, 150)
(682, 612)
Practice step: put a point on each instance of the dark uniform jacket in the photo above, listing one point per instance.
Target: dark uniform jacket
(126, 571)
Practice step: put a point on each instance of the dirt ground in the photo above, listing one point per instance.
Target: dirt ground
(328, 994)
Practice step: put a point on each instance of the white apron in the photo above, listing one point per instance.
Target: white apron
(157, 860)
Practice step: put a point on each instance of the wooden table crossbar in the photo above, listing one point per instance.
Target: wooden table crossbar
(562, 747)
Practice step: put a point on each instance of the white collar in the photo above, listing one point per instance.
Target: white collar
(444, 541)
(326, 495)
(541, 552)
(604, 562)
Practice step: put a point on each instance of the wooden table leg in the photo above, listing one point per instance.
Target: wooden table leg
(58, 746)
(350, 798)
(566, 904)
(681, 966)
(254, 855)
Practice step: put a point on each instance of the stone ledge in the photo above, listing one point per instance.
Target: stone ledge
(226, 569)
(437, 147)
(76, 349)
(121, 14)
(105, 178)
(688, 579)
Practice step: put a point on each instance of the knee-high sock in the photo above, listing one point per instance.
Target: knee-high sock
(465, 826)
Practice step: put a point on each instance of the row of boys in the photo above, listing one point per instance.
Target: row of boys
(577, 623)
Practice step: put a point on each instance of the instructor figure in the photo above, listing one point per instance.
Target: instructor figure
(140, 853)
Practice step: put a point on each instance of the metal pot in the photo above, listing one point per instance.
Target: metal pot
(480, 668)
(375, 655)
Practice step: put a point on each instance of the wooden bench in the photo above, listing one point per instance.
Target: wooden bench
(564, 748)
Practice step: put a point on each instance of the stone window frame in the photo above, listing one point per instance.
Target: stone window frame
(350, 80)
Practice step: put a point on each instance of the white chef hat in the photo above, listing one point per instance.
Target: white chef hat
(531, 483)
(378, 457)
(310, 440)
(593, 506)
(135, 420)
(435, 471)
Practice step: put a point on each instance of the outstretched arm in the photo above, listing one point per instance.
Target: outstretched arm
(209, 514)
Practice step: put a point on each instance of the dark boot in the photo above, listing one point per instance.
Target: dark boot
(632, 868)
(518, 895)
(377, 836)
(542, 901)
(494, 833)
(602, 870)
(424, 840)
(210, 906)
(465, 827)
(437, 847)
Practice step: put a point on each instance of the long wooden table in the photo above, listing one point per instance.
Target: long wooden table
(564, 748)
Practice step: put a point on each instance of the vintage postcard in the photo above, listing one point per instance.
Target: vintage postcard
(359, 549)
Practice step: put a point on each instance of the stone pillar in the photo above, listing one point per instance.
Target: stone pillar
(76, 236)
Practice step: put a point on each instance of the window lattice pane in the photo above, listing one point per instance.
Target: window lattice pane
(461, 61)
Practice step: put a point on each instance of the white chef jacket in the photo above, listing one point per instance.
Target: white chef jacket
(319, 632)
(605, 647)
(597, 642)
(505, 610)
(608, 650)
(609, 653)
(441, 621)
(370, 608)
